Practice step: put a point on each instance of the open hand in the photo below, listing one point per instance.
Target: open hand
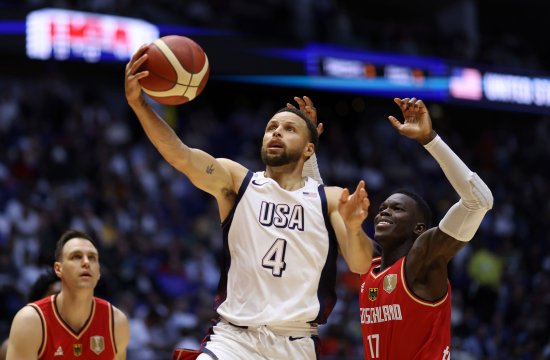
(417, 124)
(306, 105)
(354, 208)
(131, 81)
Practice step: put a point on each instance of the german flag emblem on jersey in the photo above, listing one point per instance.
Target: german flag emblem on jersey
(77, 349)
(373, 294)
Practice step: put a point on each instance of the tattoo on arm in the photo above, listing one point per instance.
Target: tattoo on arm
(210, 169)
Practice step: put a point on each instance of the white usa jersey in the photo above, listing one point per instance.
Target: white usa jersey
(279, 262)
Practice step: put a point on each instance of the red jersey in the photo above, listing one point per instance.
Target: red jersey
(396, 324)
(60, 342)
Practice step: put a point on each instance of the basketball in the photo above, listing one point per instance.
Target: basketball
(178, 70)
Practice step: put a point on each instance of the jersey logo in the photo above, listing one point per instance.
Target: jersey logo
(97, 344)
(77, 349)
(292, 338)
(390, 283)
(362, 288)
(255, 182)
(373, 294)
(282, 215)
(58, 352)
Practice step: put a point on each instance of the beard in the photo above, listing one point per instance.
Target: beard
(279, 160)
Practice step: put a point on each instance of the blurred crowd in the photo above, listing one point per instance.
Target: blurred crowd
(72, 155)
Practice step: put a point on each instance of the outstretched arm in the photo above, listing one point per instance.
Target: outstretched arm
(204, 171)
(463, 219)
(428, 259)
(347, 214)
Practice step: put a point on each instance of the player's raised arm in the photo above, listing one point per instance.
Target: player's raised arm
(311, 168)
(463, 219)
(347, 214)
(204, 171)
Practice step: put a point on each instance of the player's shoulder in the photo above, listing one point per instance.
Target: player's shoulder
(28, 316)
(122, 328)
(333, 191)
(333, 194)
(119, 314)
(26, 333)
(237, 170)
(230, 163)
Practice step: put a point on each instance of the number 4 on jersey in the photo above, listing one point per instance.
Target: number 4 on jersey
(274, 259)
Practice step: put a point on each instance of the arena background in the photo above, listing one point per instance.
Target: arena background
(73, 155)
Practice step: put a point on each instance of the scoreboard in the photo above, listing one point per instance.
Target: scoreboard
(59, 34)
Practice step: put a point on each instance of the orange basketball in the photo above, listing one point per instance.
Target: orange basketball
(178, 70)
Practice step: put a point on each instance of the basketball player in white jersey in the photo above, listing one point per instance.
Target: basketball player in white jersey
(282, 233)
